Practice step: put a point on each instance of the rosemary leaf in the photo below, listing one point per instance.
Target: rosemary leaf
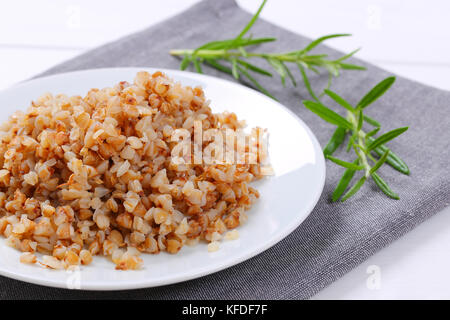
(354, 189)
(380, 162)
(306, 82)
(351, 142)
(384, 186)
(339, 100)
(345, 164)
(348, 55)
(218, 66)
(393, 160)
(371, 121)
(185, 62)
(347, 66)
(373, 132)
(243, 52)
(197, 66)
(388, 136)
(279, 67)
(318, 41)
(255, 83)
(343, 183)
(234, 69)
(336, 140)
(327, 114)
(360, 120)
(294, 83)
(252, 21)
(376, 92)
(254, 68)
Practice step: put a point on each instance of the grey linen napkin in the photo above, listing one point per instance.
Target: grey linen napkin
(335, 237)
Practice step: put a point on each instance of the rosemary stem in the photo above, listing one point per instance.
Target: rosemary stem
(361, 142)
(225, 54)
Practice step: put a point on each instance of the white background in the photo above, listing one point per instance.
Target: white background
(408, 37)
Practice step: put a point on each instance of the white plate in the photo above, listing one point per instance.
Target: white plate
(286, 198)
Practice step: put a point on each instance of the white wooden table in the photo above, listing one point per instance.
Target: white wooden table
(410, 38)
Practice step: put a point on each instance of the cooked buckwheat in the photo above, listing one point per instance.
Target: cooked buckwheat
(96, 175)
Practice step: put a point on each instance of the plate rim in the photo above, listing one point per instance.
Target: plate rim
(93, 286)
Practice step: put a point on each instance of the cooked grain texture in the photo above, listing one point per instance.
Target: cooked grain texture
(93, 175)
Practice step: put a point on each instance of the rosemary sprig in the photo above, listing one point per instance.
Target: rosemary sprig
(231, 56)
(365, 145)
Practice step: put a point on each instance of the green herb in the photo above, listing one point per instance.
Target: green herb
(365, 145)
(231, 56)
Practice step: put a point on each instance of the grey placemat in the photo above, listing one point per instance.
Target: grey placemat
(336, 237)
